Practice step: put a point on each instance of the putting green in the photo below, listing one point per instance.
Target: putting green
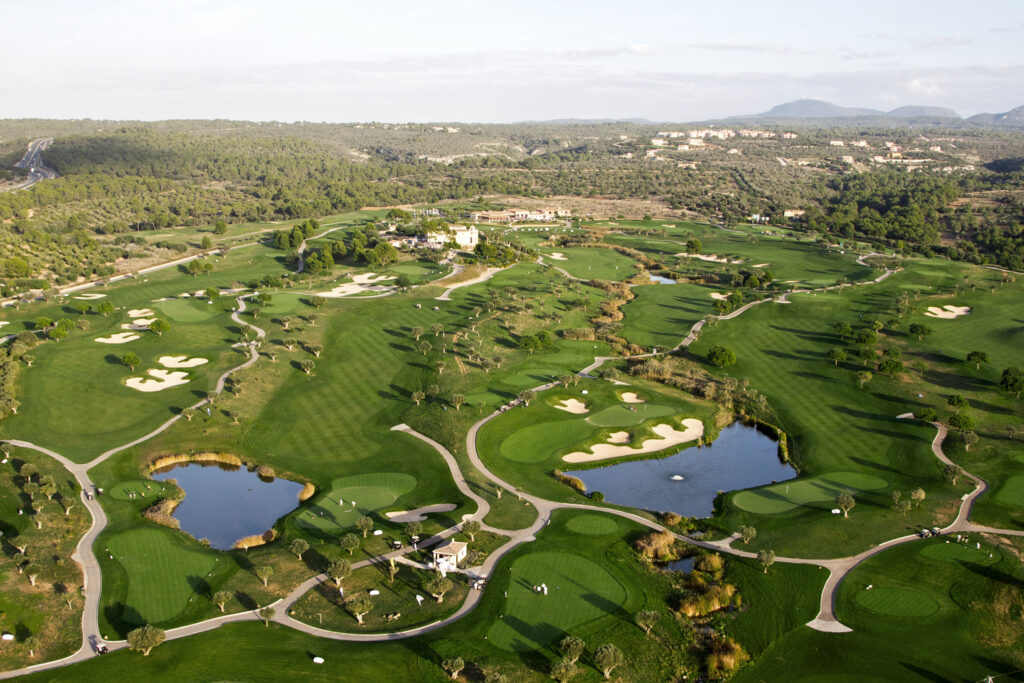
(622, 416)
(959, 552)
(141, 488)
(335, 512)
(411, 269)
(537, 442)
(1012, 492)
(162, 575)
(897, 602)
(592, 525)
(578, 591)
(785, 496)
(187, 310)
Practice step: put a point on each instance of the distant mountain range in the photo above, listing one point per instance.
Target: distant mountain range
(821, 110)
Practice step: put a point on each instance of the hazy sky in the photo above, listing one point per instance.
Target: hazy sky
(474, 60)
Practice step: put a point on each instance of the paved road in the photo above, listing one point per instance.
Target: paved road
(33, 160)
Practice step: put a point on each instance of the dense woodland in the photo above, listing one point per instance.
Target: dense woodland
(121, 179)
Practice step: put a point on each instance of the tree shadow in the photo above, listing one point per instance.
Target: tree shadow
(199, 585)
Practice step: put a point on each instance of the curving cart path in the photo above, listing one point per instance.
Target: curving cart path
(826, 620)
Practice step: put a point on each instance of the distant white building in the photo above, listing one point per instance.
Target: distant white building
(836, 143)
(465, 237)
(659, 142)
(448, 555)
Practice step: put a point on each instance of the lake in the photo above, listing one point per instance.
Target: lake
(662, 280)
(741, 457)
(224, 503)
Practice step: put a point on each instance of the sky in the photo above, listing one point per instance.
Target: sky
(490, 61)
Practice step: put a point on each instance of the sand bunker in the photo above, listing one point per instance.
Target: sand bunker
(558, 256)
(631, 397)
(668, 436)
(718, 296)
(4, 322)
(163, 379)
(180, 361)
(947, 311)
(668, 225)
(618, 437)
(712, 258)
(89, 297)
(571, 405)
(139, 324)
(360, 284)
(119, 338)
(419, 514)
(760, 265)
(140, 312)
(163, 298)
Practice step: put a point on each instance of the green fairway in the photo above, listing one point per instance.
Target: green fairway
(163, 577)
(352, 497)
(951, 551)
(1012, 491)
(537, 442)
(138, 489)
(595, 264)
(629, 415)
(783, 497)
(593, 525)
(579, 590)
(897, 602)
(661, 315)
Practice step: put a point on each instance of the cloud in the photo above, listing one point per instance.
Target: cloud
(749, 47)
(942, 42)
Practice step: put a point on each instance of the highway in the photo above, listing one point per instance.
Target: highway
(33, 160)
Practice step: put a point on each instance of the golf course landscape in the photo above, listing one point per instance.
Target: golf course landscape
(431, 419)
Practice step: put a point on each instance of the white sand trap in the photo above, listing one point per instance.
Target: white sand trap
(163, 298)
(709, 257)
(163, 379)
(668, 436)
(419, 514)
(140, 312)
(4, 322)
(618, 437)
(365, 282)
(760, 265)
(947, 311)
(138, 324)
(558, 256)
(631, 397)
(668, 225)
(571, 405)
(119, 338)
(89, 297)
(718, 296)
(180, 361)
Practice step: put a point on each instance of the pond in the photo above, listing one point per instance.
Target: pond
(688, 482)
(224, 503)
(662, 280)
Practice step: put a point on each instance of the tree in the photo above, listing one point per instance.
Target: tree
(969, 438)
(471, 529)
(48, 489)
(438, 585)
(131, 360)
(845, 502)
(866, 337)
(864, 377)
(837, 356)
(360, 607)
(920, 331)
(160, 326)
(917, 496)
(571, 648)
(364, 524)
(221, 598)
(298, 546)
(318, 301)
(264, 572)
(206, 243)
(105, 308)
(890, 367)
(82, 307)
(413, 529)
(31, 489)
(425, 347)
(977, 357)
(211, 293)
(563, 670)
(145, 638)
(307, 366)
(607, 657)
(927, 414)
(458, 400)
(416, 332)
(266, 614)
(1012, 380)
(392, 570)
(350, 542)
(437, 329)
(647, 620)
(339, 570)
(721, 357)
(453, 665)
(220, 227)
(693, 246)
(957, 402)
(961, 422)
(843, 329)
(32, 643)
(747, 533)
(766, 558)
(565, 379)
(526, 396)
(418, 396)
